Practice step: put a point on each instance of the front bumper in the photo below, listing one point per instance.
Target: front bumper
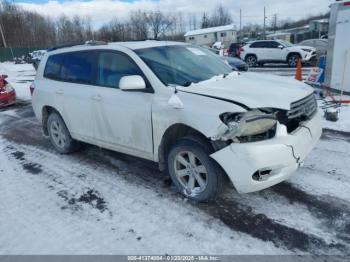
(310, 57)
(282, 154)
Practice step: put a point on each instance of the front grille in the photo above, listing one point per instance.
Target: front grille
(304, 108)
(301, 110)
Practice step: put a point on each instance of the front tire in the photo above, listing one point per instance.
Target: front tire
(293, 60)
(194, 173)
(59, 135)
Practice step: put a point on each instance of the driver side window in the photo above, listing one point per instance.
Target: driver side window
(112, 66)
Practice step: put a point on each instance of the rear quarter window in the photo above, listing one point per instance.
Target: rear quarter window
(78, 67)
(53, 67)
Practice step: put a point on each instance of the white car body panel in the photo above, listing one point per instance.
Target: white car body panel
(248, 88)
(135, 122)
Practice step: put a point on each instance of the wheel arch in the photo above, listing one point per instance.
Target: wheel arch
(171, 135)
(250, 54)
(45, 112)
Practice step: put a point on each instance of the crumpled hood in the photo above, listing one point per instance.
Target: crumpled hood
(252, 90)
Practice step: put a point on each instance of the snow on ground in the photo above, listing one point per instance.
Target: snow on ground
(62, 206)
(20, 77)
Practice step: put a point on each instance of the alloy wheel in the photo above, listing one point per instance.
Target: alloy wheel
(190, 172)
(58, 134)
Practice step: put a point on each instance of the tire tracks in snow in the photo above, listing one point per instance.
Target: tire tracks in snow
(234, 214)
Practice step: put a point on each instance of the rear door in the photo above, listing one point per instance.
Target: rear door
(122, 118)
(259, 48)
(73, 92)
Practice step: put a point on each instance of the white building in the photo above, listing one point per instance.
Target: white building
(208, 36)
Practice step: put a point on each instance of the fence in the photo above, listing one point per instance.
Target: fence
(8, 54)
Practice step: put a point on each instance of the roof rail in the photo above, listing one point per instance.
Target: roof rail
(90, 42)
(95, 42)
(60, 46)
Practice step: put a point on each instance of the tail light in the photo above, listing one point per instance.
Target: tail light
(32, 87)
(239, 51)
(347, 3)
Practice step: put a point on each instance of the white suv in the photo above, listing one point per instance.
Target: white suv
(276, 51)
(181, 106)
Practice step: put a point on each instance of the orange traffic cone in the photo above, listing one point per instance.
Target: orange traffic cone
(299, 73)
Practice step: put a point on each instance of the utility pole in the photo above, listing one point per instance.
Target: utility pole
(264, 30)
(240, 24)
(2, 36)
(275, 22)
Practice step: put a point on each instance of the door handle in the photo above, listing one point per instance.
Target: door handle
(97, 98)
(59, 92)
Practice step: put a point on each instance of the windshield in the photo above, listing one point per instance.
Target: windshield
(286, 43)
(183, 64)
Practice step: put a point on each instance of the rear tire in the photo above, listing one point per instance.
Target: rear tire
(251, 60)
(59, 135)
(195, 174)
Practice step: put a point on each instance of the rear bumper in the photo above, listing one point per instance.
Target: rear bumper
(282, 154)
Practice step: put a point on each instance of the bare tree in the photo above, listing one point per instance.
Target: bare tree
(159, 23)
(205, 21)
(139, 25)
(220, 17)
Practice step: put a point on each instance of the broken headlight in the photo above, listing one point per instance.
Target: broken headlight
(246, 124)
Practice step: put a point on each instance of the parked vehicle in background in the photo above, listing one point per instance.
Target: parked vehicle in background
(7, 93)
(20, 60)
(217, 45)
(321, 46)
(37, 56)
(236, 63)
(181, 106)
(234, 49)
(276, 51)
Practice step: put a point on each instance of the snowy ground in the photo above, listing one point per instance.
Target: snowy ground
(19, 76)
(101, 202)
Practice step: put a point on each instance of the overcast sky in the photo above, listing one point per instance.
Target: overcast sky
(102, 11)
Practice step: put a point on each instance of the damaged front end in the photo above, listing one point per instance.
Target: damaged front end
(262, 147)
(251, 126)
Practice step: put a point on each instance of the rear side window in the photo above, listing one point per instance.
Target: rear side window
(112, 66)
(53, 67)
(78, 67)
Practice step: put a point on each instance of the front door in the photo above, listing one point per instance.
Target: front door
(122, 118)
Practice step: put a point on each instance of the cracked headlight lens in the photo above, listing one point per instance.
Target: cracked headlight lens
(249, 123)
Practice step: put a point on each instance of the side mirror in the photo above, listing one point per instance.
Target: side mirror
(134, 82)
(281, 47)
